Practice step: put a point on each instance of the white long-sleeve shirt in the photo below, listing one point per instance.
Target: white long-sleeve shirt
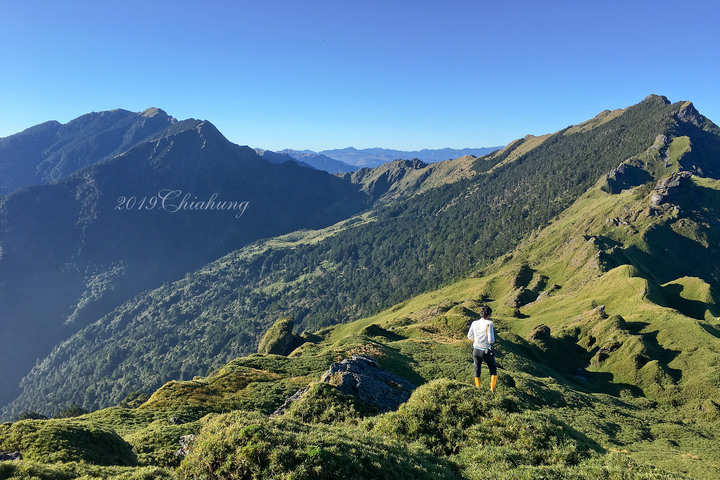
(482, 332)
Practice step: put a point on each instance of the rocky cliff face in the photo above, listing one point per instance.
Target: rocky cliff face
(675, 188)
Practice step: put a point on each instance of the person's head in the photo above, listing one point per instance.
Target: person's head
(485, 311)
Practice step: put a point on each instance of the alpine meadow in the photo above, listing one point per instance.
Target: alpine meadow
(178, 306)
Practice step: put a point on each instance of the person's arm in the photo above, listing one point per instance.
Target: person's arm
(471, 334)
(491, 333)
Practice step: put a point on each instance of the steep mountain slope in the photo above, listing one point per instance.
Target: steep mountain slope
(73, 250)
(52, 151)
(627, 287)
(366, 264)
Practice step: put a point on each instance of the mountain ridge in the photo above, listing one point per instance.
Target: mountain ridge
(52, 151)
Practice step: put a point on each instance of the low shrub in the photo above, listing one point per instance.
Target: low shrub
(323, 403)
(157, 443)
(439, 415)
(506, 441)
(28, 470)
(50, 441)
(612, 466)
(71, 411)
(251, 446)
(279, 339)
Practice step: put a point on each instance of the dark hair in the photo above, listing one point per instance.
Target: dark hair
(485, 311)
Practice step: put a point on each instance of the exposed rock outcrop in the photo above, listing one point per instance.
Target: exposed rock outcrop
(373, 385)
(8, 456)
(282, 408)
(689, 114)
(675, 188)
(361, 376)
(186, 442)
(541, 332)
(657, 98)
(626, 175)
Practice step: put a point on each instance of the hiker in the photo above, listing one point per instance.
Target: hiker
(482, 333)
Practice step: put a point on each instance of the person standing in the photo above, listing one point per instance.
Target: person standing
(482, 333)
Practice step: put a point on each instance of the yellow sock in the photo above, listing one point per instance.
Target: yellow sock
(493, 382)
(477, 381)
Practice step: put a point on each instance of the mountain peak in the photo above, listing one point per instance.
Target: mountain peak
(655, 98)
(689, 114)
(52, 151)
(152, 111)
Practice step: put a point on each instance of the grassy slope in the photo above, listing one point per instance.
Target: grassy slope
(656, 356)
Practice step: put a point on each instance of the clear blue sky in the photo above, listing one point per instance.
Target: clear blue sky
(329, 74)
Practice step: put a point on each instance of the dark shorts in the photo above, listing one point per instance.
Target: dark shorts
(480, 356)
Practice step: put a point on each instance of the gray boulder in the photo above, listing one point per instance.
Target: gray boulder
(361, 376)
(677, 187)
(186, 442)
(8, 456)
(541, 332)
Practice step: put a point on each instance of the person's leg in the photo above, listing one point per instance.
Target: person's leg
(492, 365)
(477, 360)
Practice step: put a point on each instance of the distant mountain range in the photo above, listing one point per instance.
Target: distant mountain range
(352, 159)
(374, 157)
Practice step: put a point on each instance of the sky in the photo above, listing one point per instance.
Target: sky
(331, 74)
